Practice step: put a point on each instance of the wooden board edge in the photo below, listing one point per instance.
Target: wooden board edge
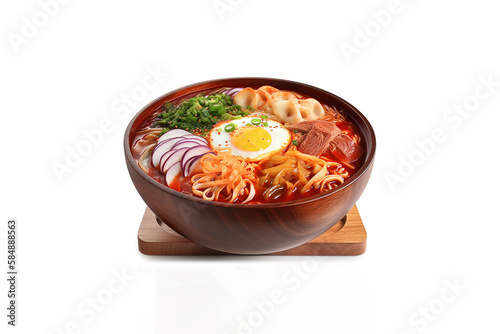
(192, 249)
(356, 247)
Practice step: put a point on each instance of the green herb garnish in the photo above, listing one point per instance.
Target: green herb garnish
(230, 127)
(256, 121)
(199, 114)
(294, 142)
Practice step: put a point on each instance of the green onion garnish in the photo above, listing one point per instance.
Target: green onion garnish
(230, 127)
(265, 124)
(294, 142)
(264, 117)
(256, 121)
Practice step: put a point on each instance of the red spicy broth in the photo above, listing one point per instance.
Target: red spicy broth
(183, 184)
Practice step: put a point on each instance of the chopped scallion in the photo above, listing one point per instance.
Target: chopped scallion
(230, 127)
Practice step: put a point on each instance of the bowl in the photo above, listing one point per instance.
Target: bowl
(251, 228)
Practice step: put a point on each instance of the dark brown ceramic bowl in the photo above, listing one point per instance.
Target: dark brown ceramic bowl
(251, 228)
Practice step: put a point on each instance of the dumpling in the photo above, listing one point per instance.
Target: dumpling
(269, 89)
(287, 111)
(263, 99)
(306, 113)
(267, 95)
(284, 96)
(315, 107)
(283, 105)
(246, 97)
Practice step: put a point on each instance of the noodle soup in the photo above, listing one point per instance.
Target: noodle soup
(249, 145)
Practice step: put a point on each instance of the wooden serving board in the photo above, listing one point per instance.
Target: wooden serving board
(347, 237)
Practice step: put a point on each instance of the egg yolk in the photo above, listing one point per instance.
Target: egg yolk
(250, 138)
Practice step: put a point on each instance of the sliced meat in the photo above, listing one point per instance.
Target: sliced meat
(327, 127)
(321, 136)
(305, 126)
(322, 126)
(346, 148)
(331, 147)
(316, 142)
(301, 139)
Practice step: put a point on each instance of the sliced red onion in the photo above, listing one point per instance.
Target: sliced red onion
(172, 134)
(193, 152)
(172, 172)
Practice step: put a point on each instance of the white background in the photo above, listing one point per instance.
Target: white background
(439, 223)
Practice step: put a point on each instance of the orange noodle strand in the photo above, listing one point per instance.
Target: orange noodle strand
(225, 177)
(298, 171)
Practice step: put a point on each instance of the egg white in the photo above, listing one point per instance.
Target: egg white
(280, 138)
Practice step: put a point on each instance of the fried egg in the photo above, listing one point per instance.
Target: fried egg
(253, 138)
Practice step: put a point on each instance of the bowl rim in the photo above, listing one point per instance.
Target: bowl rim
(364, 168)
